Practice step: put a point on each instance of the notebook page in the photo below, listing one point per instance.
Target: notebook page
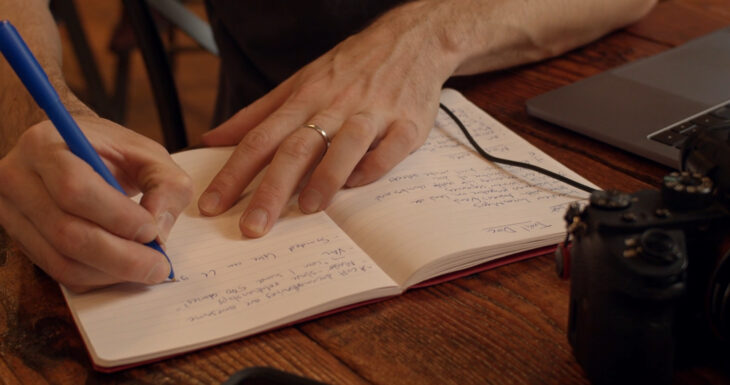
(227, 286)
(445, 200)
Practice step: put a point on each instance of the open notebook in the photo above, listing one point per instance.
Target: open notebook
(442, 210)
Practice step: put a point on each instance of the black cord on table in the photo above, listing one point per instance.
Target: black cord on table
(495, 159)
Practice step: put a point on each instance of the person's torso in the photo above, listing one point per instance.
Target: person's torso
(262, 43)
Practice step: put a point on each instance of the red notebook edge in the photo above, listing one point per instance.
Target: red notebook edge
(434, 281)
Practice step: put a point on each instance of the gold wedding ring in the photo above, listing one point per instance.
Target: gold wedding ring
(322, 132)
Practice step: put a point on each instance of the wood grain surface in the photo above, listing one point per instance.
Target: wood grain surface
(504, 326)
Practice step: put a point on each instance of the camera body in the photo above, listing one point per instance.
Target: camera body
(650, 272)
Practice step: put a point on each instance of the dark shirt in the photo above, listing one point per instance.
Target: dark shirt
(262, 43)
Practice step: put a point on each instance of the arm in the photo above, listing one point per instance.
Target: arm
(518, 32)
(376, 95)
(64, 216)
(35, 23)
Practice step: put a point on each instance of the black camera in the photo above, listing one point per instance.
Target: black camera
(650, 271)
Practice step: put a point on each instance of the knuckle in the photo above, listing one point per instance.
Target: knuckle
(70, 192)
(308, 91)
(326, 177)
(328, 115)
(75, 198)
(255, 141)
(225, 180)
(33, 136)
(69, 239)
(377, 165)
(296, 146)
(267, 194)
(290, 110)
(351, 94)
(360, 128)
(182, 184)
(408, 133)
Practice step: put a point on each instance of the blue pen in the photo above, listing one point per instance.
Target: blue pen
(36, 81)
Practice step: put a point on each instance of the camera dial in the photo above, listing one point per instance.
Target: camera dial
(656, 255)
(610, 200)
(658, 247)
(685, 190)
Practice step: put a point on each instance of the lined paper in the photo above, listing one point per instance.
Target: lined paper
(227, 286)
(443, 209)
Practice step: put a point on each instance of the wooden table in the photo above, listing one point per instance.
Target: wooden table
(504, 326)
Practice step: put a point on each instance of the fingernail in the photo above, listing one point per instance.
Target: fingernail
(208, 203)
(256, 221)
(164, 223)
(145, 233)
(355, 179)
(309, 201)
(158, 273)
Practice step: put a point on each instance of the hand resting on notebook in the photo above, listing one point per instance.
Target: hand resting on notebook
(375, 95)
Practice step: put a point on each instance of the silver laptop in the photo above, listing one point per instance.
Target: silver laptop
(650, 106)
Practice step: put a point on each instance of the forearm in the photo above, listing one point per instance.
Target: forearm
(473, 36)
(35, 23)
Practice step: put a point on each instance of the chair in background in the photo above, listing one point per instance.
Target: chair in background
(157, 60)
(97, 98)
(143, 25)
